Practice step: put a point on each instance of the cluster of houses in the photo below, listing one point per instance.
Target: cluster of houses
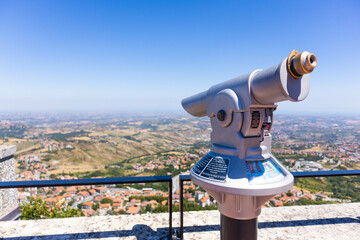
(54, 146)
(344, 149)
(104, 200)
(34, 167)
(178, 162)
(295, 194)
(96, 200)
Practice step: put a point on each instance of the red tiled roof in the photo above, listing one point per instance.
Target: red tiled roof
(105, 205)
(88, 203)
(133, 210)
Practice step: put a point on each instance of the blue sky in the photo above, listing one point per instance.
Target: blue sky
(148, 55)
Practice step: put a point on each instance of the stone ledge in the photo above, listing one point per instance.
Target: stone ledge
(8, 197)
(7, 151)
(335, 221)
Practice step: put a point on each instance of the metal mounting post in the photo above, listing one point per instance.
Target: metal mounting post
(234, 229)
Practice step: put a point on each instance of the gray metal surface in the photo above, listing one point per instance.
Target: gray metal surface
(240, 171)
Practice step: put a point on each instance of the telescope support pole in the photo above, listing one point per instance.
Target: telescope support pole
(234, 229)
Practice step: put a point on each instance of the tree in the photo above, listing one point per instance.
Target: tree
(106, 200)
(95, 206)
(289, 194)
(148, 208)
(121, 212)
(39, 209)
(36, 209)
(110, 212)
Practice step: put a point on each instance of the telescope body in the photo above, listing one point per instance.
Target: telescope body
(240, 172)
(267, 86)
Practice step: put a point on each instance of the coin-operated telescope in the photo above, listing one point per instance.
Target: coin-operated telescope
(240, 172)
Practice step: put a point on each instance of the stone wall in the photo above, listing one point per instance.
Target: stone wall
(9, 207)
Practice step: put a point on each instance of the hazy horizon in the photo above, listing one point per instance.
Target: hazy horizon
(162, 113)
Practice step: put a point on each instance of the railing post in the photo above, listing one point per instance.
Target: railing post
(170, 209)
(181, 208)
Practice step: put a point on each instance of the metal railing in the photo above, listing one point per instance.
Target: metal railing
(96, 181)
(186, 178)
(153, 179)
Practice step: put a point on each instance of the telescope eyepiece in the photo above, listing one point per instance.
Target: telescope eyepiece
(300, 64)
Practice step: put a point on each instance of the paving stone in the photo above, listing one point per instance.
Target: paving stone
(333, 221)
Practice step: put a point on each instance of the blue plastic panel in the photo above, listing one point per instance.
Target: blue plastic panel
(265, 171)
